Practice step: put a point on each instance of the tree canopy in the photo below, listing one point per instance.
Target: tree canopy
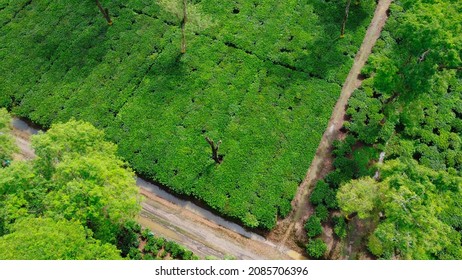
(76, 183)
(41, 238)
(418, 206)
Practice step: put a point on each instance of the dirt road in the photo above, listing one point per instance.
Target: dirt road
(183, 222)
(321, 164)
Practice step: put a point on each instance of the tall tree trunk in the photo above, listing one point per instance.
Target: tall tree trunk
(105, 12)
(183, 26)
(345, 18)
(215, 148)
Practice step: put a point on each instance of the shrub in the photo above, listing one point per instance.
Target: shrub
(319, 193)
(340, 227)
(135, 254)
(146, 233)
(316, 248)
(322, 193)
(148, 257)
(322, 213)
(313, 226)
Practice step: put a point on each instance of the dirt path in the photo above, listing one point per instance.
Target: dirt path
(182, 224)
(23, 142)
(292, 226)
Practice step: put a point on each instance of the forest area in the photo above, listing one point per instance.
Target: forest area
(407, 111)
(225, 103)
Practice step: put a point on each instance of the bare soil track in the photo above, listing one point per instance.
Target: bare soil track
(290, 230)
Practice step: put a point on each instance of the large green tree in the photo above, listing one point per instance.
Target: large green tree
(76, 176)
(47, 239)
(362, 197)
(417, 206)
(428, 45)
(88, 182)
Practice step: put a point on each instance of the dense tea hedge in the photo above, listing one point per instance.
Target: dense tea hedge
(262, 76)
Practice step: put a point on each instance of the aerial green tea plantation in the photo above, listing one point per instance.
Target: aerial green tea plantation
(261, 76)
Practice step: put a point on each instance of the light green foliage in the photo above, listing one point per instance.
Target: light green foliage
(416, 208)
(72, 140)
(7, 145)
(427, 45)
(87, 181)
(316, 248)
(48, 239)
(262, 76)
(21, 194)
(362, 196)
(76, 176)
(416, 202)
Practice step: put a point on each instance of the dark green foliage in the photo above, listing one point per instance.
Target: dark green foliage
(352, 161)
(134, 254)
(322, 213)
(340, 227)
(412, 102)
(366, 117)
(323, 194)
(173, 248)
(127, 238)
(316, 248)
(148, 257)
(313, 226)
(155, 245)
(145, 234)
(264, 80)
(319, 193)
